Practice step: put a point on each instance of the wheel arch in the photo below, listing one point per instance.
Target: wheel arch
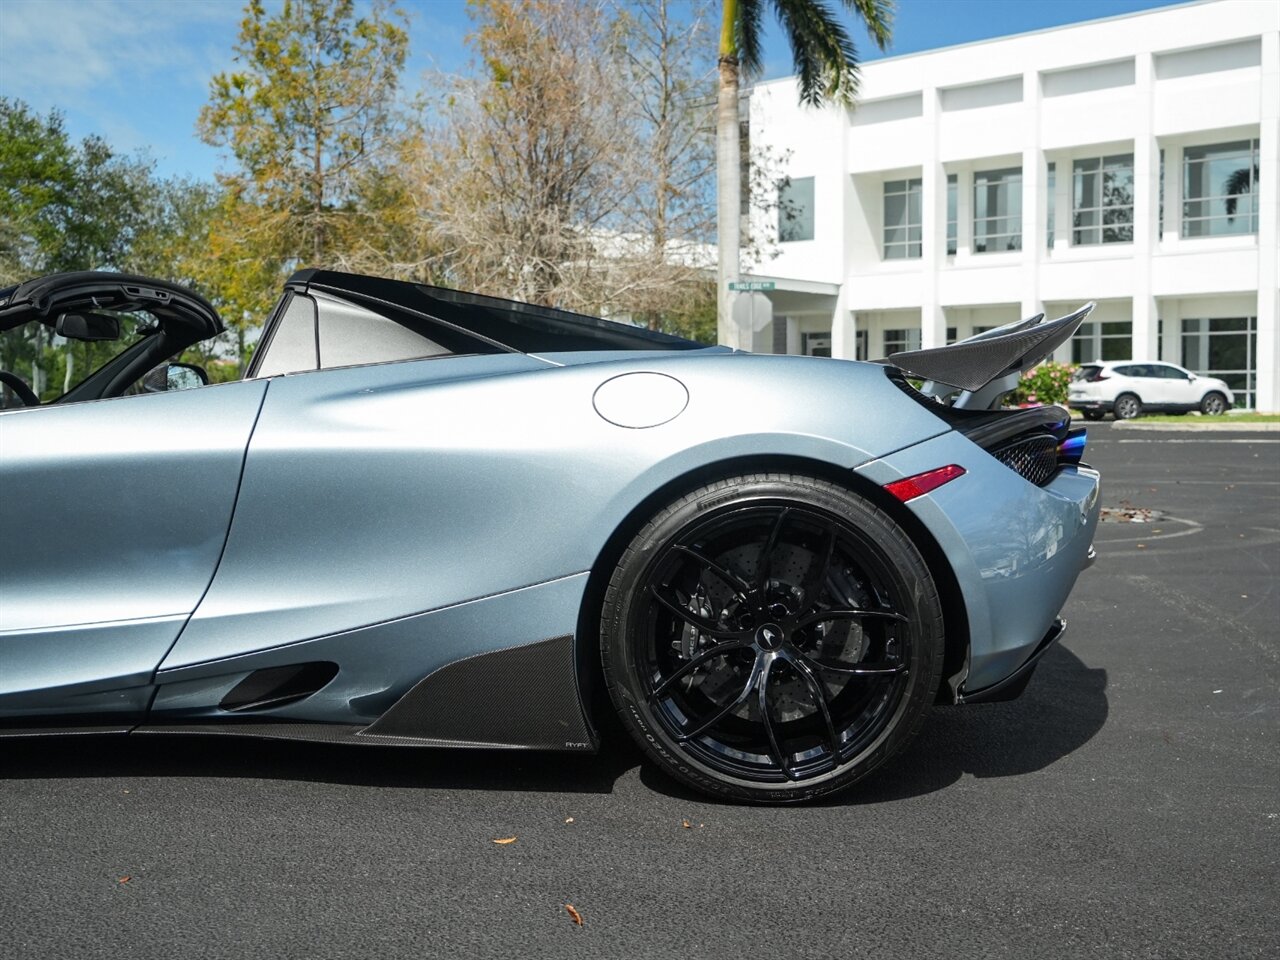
(587, 636)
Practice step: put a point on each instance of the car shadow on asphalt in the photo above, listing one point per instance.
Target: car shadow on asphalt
(247, 758)
(1061, 710)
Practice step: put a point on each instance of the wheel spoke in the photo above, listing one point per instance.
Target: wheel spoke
(740, 586)
(820, 700)
(766, 556)
(812, 585)
(883, 669)
(775, 748)
(698, 622)
(728, 708)
(719, 650)
(847, 613)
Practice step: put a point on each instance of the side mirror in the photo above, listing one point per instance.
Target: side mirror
(86, 325)
(174, 376)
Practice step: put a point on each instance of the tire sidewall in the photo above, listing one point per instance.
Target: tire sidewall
(621, 606)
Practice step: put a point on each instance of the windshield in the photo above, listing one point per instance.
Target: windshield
(53, 365)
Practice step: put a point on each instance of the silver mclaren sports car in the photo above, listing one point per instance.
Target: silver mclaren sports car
(440, 519)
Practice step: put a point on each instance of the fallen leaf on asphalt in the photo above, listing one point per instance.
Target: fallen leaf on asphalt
(574, 915)
(506, 840)
(1142, 546)
(686, 824)
(568, 819)
(124, 879)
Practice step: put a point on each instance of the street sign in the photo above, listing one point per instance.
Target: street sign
(751, 285)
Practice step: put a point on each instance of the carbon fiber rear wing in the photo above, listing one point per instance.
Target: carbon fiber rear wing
(985, 367)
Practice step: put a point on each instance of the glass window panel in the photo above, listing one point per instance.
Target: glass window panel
(1228, 324)
(795, 210)
(895, 210)
(1116, 348)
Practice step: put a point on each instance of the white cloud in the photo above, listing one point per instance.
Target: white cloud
(64, 52)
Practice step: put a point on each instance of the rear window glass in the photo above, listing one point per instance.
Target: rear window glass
(1087, 372)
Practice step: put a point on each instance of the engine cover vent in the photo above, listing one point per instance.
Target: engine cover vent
(1035, 457)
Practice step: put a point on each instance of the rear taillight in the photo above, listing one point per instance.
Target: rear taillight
(909, 488)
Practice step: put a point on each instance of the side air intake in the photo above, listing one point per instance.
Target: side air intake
(276, 686)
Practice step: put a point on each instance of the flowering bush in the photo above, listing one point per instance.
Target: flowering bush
(1046, 383)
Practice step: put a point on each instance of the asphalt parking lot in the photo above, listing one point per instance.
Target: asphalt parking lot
(1127, 806)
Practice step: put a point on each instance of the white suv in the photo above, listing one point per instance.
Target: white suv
(1128, 387)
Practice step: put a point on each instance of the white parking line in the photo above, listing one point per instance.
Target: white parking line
(1196, 440)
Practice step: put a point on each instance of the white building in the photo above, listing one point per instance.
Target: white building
(1133, 161)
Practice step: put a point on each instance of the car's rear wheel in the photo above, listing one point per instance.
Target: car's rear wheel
(771, 638)
(1213, 405)
(1127, 406)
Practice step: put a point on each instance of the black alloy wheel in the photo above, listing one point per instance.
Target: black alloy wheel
(771, 638)
(1213, 405)
(1127, 407)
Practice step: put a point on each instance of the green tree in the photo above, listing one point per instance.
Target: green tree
(73, 207)
(826, 63)
(310, 112)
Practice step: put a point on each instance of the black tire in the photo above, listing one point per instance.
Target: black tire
(839, 636)
(1093, 414)
(1213, 405)
(1127, 406)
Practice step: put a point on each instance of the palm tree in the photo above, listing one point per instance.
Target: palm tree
(826, 64)
(1240, 182)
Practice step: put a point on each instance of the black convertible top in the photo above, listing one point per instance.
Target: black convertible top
(510, 324)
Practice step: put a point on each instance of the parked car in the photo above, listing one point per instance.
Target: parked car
(1128, 388)
(435, 518)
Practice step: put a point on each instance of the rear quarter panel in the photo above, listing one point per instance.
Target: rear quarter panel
(381, 492)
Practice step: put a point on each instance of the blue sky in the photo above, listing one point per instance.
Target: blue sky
(137, 71)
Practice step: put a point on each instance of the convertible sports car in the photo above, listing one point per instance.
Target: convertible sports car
(427, 517)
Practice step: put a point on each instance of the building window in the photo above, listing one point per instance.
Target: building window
(1219, 189)
(1102, 200)
(1102, 341)
(1051, 203)
(953, 195)
(997, 210)
(902, 219)
(1226, 348)
(815, 344)
(896, 341)
(795, 210)
(951, 335)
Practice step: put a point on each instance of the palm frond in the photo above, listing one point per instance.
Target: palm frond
(876, 15)
(826, 61)
(750, 31)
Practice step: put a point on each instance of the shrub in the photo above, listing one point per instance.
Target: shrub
(1046, 383)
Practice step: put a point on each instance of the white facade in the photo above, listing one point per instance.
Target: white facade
(1142, 154)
